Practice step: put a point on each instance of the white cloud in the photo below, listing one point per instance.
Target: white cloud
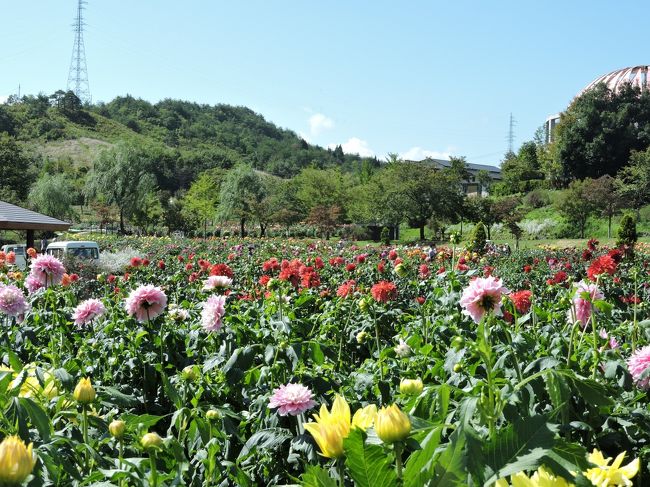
(319, 123)
(3, 99)
(305, 137)
(355, 145)
(418, 153)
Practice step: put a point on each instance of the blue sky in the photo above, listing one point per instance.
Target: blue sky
(413, 77)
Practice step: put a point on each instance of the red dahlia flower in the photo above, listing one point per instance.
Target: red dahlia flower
(384, 291)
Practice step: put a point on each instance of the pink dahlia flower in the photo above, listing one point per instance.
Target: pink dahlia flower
(212, 315)
(213, 282)
(12, 301)
(292, 399)
(87, 311)
(582, 305)
(47, 269)
(33, 284)
(146, 303)
(637, 364)
(481, 296)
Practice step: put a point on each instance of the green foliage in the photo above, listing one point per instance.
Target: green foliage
(576, 205)
(520, 172)
(122, 176)
(600, 129)
(17, 173)
(627, 231)
(53, 196)
(368, 464)
(477, 239)
(385, 236)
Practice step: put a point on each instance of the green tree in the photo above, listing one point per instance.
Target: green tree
(240, 190)
(603, 196)
(510, 213)
(520, 171)
(202, 199)
(576, 206)
(53, 196)
(477, 239)
(633, 181)
(17, 172)
(600, 129)
(627, 231)
(122, 175)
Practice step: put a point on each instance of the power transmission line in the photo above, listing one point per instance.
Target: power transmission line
(78, 74)
(511, 133)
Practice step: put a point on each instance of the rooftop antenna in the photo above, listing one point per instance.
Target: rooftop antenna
(78, 74)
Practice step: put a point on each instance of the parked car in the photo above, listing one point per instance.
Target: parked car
(21, 254)
(80, 250)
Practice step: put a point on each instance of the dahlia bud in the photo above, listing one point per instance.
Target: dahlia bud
(189, 373)
(84, 392)
(116, 428)
(273, 284)
(411, 387)
(364, 305)
(392, 425)
(362, 337)
(151, 441)
(16, 461)
(401, 270)
(213, 415)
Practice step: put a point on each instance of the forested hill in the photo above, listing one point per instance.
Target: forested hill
(195, 136)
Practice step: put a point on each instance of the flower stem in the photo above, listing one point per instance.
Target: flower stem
(340, 466)
(399, 448)
(84, 430)
(154, 472)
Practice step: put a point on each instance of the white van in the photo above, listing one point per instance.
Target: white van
(80, 250)
(20, 251)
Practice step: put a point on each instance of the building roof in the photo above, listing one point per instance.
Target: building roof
(633, 75)
(493, 171)
(14, 217)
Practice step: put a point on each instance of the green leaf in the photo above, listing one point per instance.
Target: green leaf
(368, 465)
(520, 446)
(171, 392)
(560, 393)
(317, 476)
(419, 463)
(37, 416)
(565, 458)
(451, 467)
(265, 439)
(592, 392)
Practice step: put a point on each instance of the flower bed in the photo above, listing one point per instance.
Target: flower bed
(286, 362)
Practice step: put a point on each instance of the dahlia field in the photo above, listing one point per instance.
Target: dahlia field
(280, 362)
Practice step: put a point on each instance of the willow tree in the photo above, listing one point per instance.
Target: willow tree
(123, 177)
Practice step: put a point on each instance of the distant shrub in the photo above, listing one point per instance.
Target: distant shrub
(477, 239)
(385, 236)
(538, 229)
(627, 231)
(537, 199)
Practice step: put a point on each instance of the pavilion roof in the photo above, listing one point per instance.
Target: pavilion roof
(14, 217)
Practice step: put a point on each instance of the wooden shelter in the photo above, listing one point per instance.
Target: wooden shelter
(14, 217)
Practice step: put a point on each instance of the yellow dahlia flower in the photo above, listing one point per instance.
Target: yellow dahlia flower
(16, 461)
(331, 427)
(541, 478)
(392, 425)
(84, 393)
(605, 475)
(364, 418)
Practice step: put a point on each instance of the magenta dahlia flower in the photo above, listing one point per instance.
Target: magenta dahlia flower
(47, 269)
(292, 399)
(146, 303)
(481, 296)
(582, 306)
(87, 311)
(213, 282)
(12, 301)
(637, 364)
(212, 315)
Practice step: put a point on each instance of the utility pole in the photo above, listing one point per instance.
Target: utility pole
(78, 74)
